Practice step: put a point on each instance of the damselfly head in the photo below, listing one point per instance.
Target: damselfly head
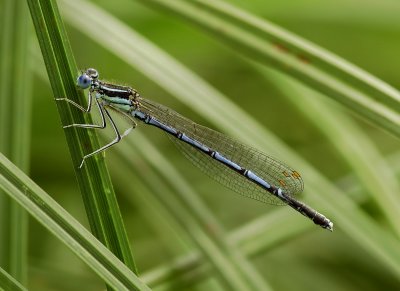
(85, 79)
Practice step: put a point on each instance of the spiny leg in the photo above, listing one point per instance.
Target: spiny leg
(86, 110)
(115, 141)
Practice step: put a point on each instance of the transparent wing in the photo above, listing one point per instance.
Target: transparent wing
(271, 170)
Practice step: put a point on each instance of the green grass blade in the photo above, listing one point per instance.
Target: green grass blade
(94, 181)
(324, 59)
(53, 217)
(268, 44)
(15, 123)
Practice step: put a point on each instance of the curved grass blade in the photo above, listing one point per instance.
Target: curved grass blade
(268, 44)
(53, 217)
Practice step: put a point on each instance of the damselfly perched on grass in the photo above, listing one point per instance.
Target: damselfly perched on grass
(235, 165)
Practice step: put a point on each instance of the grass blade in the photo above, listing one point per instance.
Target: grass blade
(268, 44)
(15, 123)
(53, 217)
(94, 181)
(7, 282)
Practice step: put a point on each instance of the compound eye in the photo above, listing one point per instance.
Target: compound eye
(84, 81)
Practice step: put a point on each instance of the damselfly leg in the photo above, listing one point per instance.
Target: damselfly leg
(103, 111)
(86, 110)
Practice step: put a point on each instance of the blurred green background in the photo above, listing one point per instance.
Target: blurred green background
(281, 247)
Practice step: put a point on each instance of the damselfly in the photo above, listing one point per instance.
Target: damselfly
(237, 166)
